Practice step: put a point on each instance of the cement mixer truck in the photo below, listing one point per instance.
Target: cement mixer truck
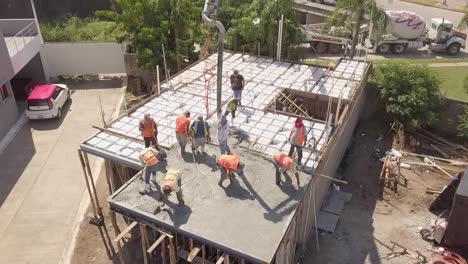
(407, 30)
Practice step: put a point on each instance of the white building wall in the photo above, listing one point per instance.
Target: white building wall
(83, 58)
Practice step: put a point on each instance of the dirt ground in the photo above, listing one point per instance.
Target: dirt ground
(90, 241)
(376, 216)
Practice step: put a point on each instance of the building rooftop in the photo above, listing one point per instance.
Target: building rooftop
(248, 218)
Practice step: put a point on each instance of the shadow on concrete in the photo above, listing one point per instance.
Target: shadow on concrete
(353, 240)
(179, 214)
(235, 190)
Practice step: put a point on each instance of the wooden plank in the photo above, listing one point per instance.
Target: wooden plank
(220, 260)
(193, 254)
(155, 244)
(143, 244)
(440, 151)
(162, 231)
(126, 230)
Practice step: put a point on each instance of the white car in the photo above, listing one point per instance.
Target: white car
(47, 101)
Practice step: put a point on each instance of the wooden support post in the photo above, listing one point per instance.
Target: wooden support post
(126, 230)
(91, 181)
(203, 254)
(220, 260)
(143, 243)
(227, 261)
(193, 254)
(338, 108)
(163, 251)
(116, 233)
(172, 252)
(157, 77)
(155, 244)
(83, 165)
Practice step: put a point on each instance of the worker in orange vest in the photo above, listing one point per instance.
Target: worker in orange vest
(182, 130)
(172, 183)
(149, 160)
(283, 164)
(149, 131)
(228, 165)
(297, 139)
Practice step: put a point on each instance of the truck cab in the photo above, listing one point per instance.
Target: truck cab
(442, 36)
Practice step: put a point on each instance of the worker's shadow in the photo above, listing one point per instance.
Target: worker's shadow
(179, 214)
(235, 190)
(188, 157)
(162, 166)
(209, 161)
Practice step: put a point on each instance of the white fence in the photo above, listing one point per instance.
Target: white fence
(83, 58)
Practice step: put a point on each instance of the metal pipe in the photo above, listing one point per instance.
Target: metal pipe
(222, 35)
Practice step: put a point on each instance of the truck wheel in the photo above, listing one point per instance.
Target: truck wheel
(453, 49)
(335, 48)
(383, 48)
(398, 48)
(321, 47)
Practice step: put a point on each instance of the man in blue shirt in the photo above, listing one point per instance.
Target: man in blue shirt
(200, 131)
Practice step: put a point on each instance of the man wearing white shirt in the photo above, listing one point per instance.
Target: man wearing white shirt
(223, 135)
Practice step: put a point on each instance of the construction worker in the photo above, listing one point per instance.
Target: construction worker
(228, 165)
(172, 183)
(200, 133)
(283, 164)
(149, 131)
(297, 139)
(223, 135)
(232, 107)
(182, 130)
(149, 160)
(237, 85)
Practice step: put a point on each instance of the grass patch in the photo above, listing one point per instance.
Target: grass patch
(453, 86)
(421, 61)
(74, 29)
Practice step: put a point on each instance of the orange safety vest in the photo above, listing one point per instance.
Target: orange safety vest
(150, 159)
(229, 162)
(148, 131)
(182, 124)
(300, 134)
(285, 160)
(169, 180)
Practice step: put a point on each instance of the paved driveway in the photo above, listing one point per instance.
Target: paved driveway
(41, 180)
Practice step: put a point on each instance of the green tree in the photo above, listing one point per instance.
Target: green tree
(356, 11)
(149, 24)
(250, 22)
(463, 126)
(464, 22)
(410, 92)
(465, 84)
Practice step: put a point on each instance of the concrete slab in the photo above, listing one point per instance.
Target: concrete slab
(41, 182)
(247, 218)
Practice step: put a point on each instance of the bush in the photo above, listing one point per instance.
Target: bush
(465, 84)
(410, 92)
(463, 126)
(74, 29)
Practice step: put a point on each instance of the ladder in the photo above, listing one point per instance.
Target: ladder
(292, 104)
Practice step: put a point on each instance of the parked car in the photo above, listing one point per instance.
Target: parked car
(47, 101)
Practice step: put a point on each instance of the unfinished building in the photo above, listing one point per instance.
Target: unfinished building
(252, 220)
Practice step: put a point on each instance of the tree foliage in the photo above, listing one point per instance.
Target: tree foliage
(238, 17)
(464, 21)
(410, 92)
(149, 24)
(354, 12)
